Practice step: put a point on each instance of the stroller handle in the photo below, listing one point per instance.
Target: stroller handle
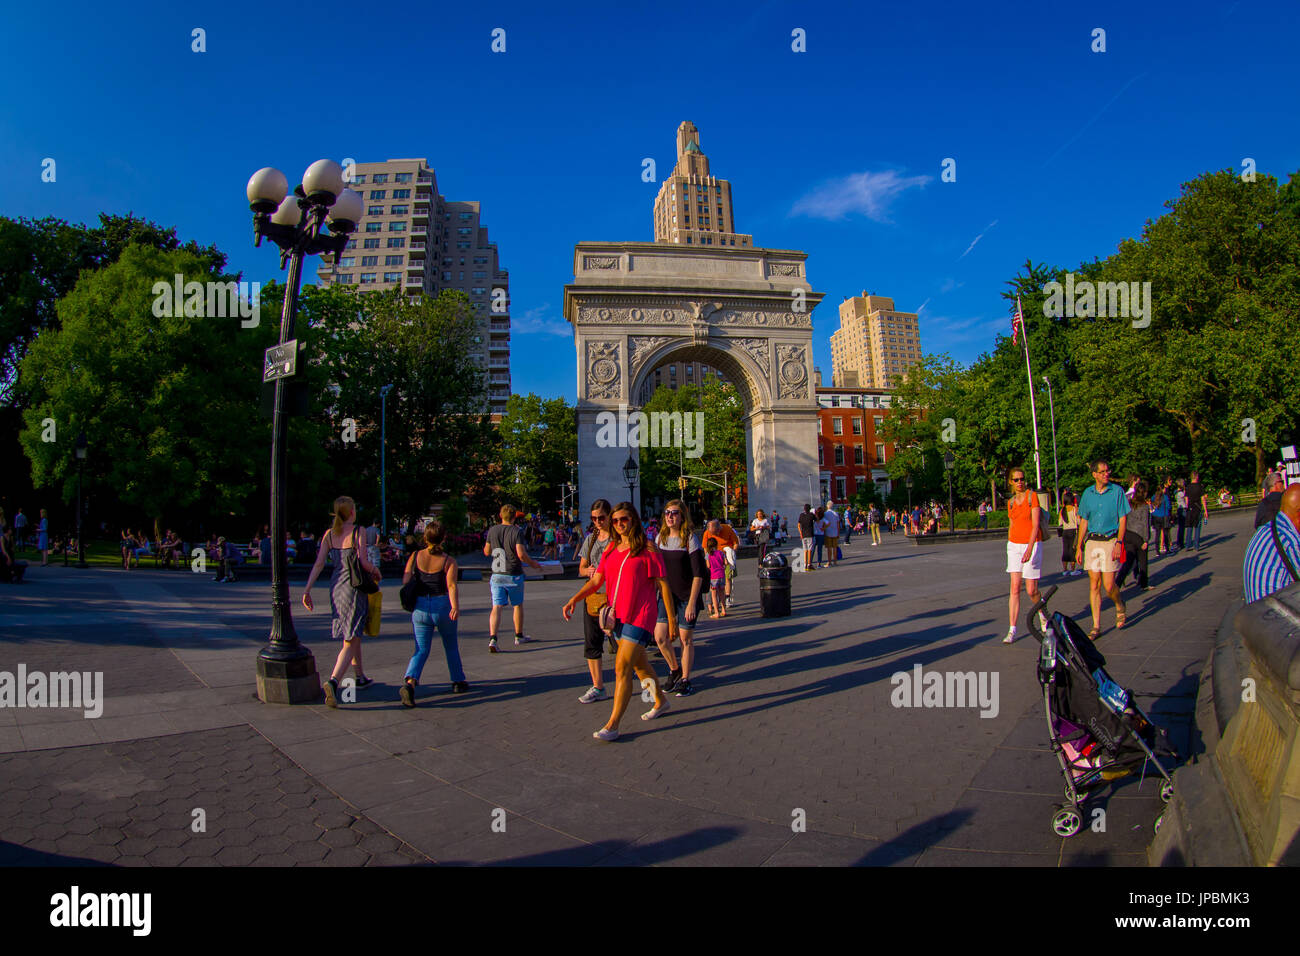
(1043, 598)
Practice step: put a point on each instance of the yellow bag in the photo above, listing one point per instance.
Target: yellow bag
(376, 609)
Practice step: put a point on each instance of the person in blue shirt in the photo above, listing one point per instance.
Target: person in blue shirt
(1265, 568)
(1103, 517)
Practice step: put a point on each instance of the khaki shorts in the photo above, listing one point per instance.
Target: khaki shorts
(1097, 556)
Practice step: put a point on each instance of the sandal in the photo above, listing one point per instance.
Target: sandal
(1094, 634)
(1119, 616)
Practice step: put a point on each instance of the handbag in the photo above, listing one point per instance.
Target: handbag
(411, 590)
(356, 576)
(374, 612)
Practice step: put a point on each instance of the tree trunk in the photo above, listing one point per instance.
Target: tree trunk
(1261, 469)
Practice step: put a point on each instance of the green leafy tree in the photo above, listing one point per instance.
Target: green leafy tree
(539, 439)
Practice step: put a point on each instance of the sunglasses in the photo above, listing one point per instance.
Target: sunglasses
(600, 517)
(622, 520)
(1019, 479)
(672, 514)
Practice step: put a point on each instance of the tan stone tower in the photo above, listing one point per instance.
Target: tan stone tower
(693, 207)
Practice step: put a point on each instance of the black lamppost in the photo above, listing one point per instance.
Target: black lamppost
(909, 494)
(949, 460)
(1056, 468)
(383, 461)
(286, 671)
(630, 472)
(81, 544)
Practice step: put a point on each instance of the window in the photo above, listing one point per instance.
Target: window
(380, 178)
(392, 277)
(446, 277)
(370, 244)
(466, 216)
(352, 244)
(348, 261)
(839, 454)
(446, 261)
(393, 260)
(478, 290)
(480, 260)
(369, 261)
(345, 278)
(877, 421)
(378, 194)
(396, 243)
(462, 245)
(819, 424)
(480, 275)
(375, 211)
(367, 277)
(400, 211)
(858, 455)
(399, 194)
(397, 227)
(841, 492)
(402, 178)
(857, 425)
(374, 226)
(359, 179)
(465, 231)
(821, 455)
(880, 454)
(837, 425)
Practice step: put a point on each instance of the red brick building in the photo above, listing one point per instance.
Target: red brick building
(850, 452)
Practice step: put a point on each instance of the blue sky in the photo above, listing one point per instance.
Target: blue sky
(1061, 152)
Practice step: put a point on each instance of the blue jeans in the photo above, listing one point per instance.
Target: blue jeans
(434, 612)
(819, 541)
(1194, 529)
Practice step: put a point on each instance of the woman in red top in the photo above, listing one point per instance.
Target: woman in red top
(1024, 547)
(635, 572)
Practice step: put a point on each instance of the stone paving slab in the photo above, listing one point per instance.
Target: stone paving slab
(789, 714)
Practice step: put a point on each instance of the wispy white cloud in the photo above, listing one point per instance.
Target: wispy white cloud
(921, 308)
(535, 322)
(949, 284)
(870, 194)
(977, 239)
(939, 331)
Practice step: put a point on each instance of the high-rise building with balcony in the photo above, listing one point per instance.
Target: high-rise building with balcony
(410, 237)
(693, 207)
(875, 344)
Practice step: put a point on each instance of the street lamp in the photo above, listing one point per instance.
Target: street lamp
(909, 493)
(630, 472)
(383, 450)
(949, 460)
(81, 544)
(286, 670)
(1056, 471)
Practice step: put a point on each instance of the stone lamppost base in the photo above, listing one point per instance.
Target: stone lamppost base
(288, 682)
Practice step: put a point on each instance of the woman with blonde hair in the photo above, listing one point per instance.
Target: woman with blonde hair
(349, 606)
(635, 572)
(687, 574)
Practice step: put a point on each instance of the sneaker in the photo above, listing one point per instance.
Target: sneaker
(684, 689)
(331, 693)
(671, 682)
(656, 711)
(520, 639)
(460, 687)
(592, 695)
(606, 735)
(492, 646)
(1011, 636)
(364, 681)
(407, 694)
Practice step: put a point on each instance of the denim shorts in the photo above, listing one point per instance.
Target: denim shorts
(678, 608)
(633, 634)
(507, 589)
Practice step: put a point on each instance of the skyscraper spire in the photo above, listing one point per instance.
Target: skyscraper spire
(694, 208)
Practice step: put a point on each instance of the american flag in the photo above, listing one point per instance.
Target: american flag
(1017, 321)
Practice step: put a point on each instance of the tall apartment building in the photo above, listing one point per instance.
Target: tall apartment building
(693, 207)
(875, 344)
(411, 237)
(674, 374)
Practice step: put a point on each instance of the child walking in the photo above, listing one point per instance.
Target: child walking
(717, 579)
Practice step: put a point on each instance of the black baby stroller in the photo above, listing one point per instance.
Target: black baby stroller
(1098, 733)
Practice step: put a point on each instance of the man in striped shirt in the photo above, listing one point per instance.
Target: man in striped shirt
(1264, 569)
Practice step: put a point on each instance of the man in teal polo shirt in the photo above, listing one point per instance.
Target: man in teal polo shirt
(1103, 515)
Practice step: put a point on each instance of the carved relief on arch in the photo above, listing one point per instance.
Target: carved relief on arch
(792, 371)
(639, 348)
(603, 370)
(757, 350)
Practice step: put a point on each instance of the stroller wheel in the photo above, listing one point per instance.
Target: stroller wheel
(1167, 791)
(1066, 822)
(1070, 795)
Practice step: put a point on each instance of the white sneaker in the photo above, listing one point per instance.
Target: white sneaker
(1011, 636)
(604, 734)
(657, 711)
(592, 695)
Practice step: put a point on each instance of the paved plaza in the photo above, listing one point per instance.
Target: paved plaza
(791, 719)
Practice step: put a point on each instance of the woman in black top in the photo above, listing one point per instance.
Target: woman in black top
(437, 606)
(688, 577)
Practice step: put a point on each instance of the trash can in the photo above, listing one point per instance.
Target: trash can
(774, 585)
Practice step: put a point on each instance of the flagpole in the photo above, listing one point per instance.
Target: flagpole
(1033, 407)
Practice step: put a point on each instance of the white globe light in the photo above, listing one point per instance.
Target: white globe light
(266, 188)
(323, 181)
(289, 213)
(346, 212)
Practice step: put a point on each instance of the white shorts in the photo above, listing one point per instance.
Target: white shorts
(807, 544)
(1031, 569)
